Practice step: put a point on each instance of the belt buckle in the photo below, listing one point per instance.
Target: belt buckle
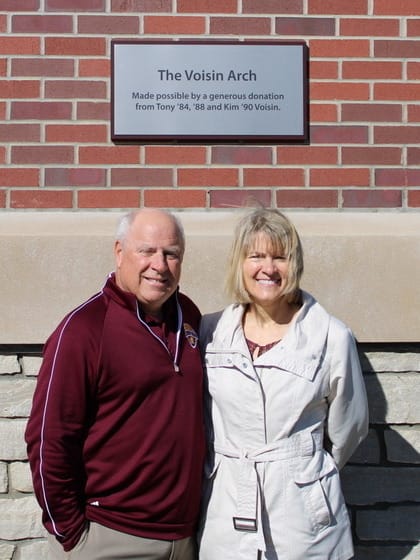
(245, 524)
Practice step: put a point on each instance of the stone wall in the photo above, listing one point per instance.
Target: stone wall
(381, 482)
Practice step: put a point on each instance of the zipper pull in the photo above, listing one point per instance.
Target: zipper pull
(176, 368)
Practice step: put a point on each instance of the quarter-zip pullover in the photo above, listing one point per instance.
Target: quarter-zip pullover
(116, 431)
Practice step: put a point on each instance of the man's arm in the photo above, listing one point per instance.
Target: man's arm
(56, 431)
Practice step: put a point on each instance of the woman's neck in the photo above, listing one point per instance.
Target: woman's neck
(264, 325)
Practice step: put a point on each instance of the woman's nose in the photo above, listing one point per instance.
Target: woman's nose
(268, 265)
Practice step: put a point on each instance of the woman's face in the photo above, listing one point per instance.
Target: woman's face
(265, 272)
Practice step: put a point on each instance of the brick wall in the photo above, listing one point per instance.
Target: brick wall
(55, 149)
(381, 482)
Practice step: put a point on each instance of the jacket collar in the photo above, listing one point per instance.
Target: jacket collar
(300, 352)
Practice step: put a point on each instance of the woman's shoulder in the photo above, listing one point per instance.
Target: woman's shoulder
(218, 319)
(317, 312)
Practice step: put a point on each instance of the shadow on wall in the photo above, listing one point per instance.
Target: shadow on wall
(381, 482)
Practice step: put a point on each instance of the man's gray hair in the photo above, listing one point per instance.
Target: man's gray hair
(126, 221)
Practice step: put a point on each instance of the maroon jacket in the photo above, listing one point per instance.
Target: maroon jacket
(116, 433)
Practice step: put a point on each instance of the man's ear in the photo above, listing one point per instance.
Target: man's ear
(118, 250)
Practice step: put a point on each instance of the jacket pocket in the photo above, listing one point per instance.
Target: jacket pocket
(311, 483)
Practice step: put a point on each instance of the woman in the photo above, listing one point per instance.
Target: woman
(286, 408)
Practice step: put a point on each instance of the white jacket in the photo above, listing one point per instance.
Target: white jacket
(279, 429)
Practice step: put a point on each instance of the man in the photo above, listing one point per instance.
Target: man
(115, 437)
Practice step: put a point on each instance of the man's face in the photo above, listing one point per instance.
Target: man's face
(148, 261)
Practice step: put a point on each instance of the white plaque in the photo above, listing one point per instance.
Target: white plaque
(211, 91)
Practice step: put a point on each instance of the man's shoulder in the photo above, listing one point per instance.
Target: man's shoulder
(188, 306)
(83, 318)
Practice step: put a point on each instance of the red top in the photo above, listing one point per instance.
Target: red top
(116, 431)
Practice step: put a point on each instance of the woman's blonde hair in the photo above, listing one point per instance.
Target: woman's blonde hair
(284, 239)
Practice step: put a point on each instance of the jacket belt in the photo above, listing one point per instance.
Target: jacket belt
(248, 506)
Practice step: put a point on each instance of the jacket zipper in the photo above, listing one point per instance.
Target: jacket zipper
(178, 334)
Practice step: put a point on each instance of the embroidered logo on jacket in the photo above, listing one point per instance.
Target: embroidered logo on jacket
(191, 335)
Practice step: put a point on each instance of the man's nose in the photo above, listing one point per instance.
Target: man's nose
(159, 261)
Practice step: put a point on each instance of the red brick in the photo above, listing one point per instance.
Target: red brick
(41, 110)
(372, 198)
(175, 198)
(2, 154)
(76, 133)
(42, 67)
(75, 89)
(324, 134)
(20, 45)
(413, 113)
(42, 154)
(276, 7)
(42, 24)
(107, 198)
(413, 199)
(371, 112)
(396, 134)
(397, 177)
(413, 27)
(241, 155)
(371, 155)
(337, 48)
(75, 5)
(75, 177)
(401, 8)
(306, 198)
(339, 90)
(323, 112)
(95, 67)
(305, 26)
(2, 111)
(89, 110)
(277, 177)
(239, 198)
(141, 6)
(207, 177)
(240, 26)
(41, 199)
(2, 199)
(20, 132)
(339, 177)
(18, 89)
(413, 156)
(337, 7)
(371, 70)
(323, 69)
(413, 71)
(206, 6)
(109, 154)
(307, 155)
(109, 25)
(369, 27)
(3, 66)
(75, 46)
(178, 155)
(21, 6)
(174, 25)
(398, 92)
(396, 48)
(141, 177)
(19, 177)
